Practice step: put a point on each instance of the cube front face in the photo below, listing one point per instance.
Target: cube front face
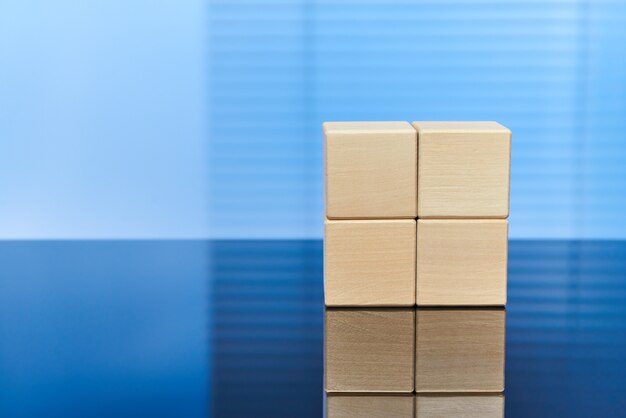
(461, 262)
(460, 350)
(369, 350)
(369, 263)
(463, 169)
(369, 406)
(453, 406)
(371, 170)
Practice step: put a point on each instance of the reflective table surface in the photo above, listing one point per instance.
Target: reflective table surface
(235, 329)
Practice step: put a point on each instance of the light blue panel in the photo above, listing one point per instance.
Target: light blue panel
(103, 112)
(552, 71)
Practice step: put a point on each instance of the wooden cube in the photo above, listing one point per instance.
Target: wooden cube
(463, 169)
(369, 406)
(461, 262)
(460, 350)
(371, 170)
(369, 262)
(454, 406)
(369, 350)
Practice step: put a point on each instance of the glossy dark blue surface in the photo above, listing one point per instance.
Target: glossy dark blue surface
(235, 329)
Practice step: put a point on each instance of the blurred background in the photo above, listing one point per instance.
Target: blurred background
(202, 119)
(161, 192)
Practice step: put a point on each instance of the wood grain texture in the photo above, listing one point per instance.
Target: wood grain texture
(461, 262)
(460, 350)
(463, 169)
(371, 170)
(369, 262)
(370, 406)
(459, 406)
(369, 350)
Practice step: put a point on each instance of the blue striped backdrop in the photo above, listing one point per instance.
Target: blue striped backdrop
(553, 71)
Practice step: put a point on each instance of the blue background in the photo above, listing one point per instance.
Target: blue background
(103, 114)
(201, 119)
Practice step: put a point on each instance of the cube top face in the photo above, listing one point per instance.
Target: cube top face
(384, 127)
(371, 170)
(369, 350)
(369, 262)
(463, 169)
(460, 350)
(461, 127)
(461, 262)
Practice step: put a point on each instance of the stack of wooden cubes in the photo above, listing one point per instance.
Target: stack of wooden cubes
(415, 265)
